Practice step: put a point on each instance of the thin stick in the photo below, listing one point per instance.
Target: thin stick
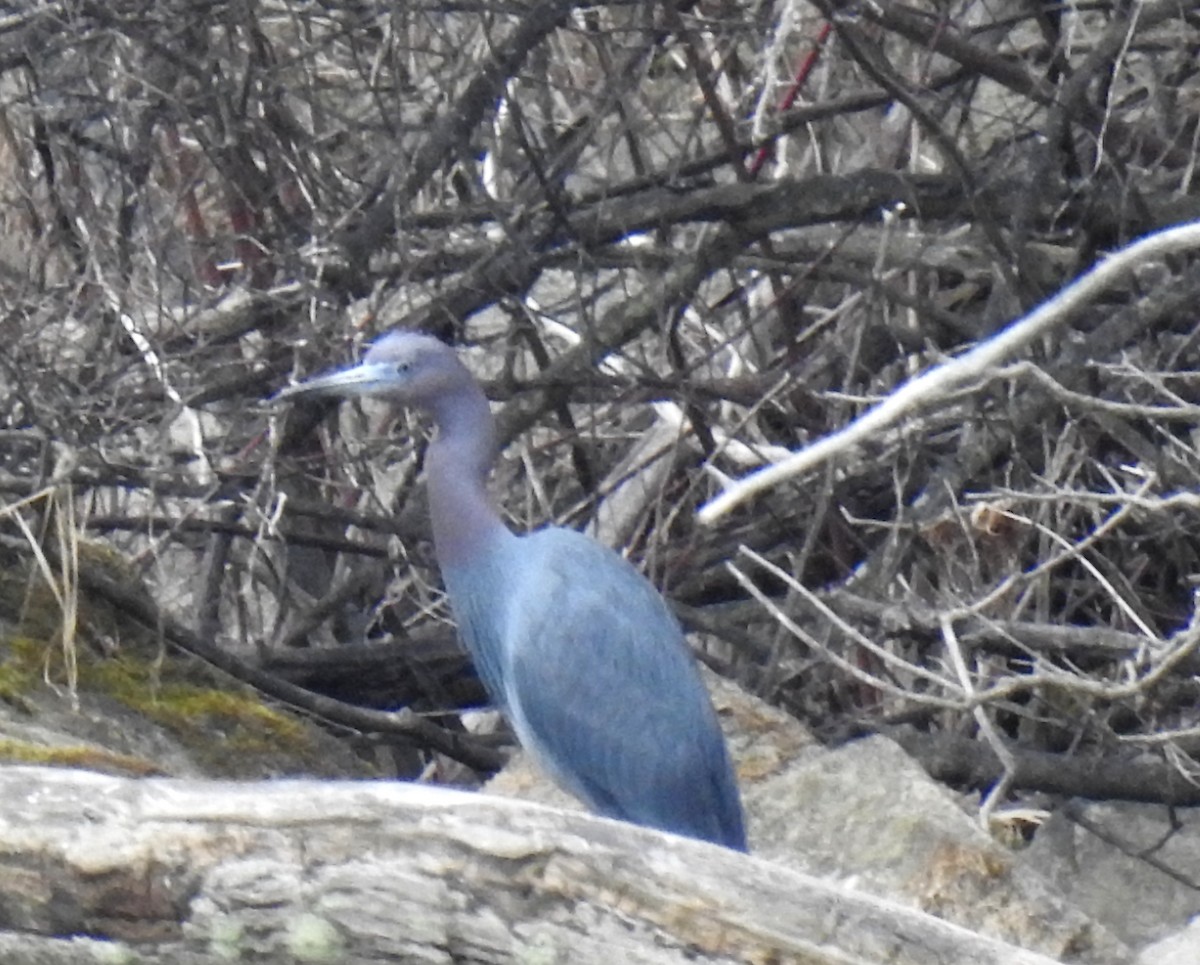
(988, 730)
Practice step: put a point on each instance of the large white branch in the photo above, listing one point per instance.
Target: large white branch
(172, 871)
(979, 364)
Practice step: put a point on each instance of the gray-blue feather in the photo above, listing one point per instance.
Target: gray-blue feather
(573, 644)
(597, 680)
(479, 592)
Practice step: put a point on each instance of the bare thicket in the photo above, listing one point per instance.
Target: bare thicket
(678, 242)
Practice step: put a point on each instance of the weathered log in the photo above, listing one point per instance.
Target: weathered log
(176, 871)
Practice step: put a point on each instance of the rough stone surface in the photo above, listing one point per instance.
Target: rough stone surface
(1182, 948)
(1099, 855)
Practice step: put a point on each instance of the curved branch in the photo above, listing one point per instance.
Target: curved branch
(979, 363)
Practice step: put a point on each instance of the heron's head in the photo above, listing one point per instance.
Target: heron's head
(407, 368)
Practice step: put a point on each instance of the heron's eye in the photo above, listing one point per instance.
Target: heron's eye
(403, 368)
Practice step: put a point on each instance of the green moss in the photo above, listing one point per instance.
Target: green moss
(74, 755)
(241, 717)
(228, 728)
(311, 938)
(20, 669)
(209, 720)
(107, 952)
(15, 681)
(226, 938)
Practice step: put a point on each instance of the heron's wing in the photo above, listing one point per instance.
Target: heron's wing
(602, 688)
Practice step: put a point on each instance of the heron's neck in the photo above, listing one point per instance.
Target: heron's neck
(464, 521)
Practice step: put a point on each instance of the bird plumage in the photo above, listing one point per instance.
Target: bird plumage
(573, 644)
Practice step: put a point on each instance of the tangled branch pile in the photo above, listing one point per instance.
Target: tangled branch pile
(678, 241)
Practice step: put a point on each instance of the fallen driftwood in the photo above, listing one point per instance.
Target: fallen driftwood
(178, 871)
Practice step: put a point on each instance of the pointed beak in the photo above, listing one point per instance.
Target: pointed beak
(362, 379)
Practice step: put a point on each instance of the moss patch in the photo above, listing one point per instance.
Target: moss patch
(20, 669)
(229, 730)
(75, 755)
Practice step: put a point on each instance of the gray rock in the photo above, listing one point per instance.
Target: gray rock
(1182, 948)
(1136, 867)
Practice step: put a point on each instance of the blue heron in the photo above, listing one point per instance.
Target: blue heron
(572, 643)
